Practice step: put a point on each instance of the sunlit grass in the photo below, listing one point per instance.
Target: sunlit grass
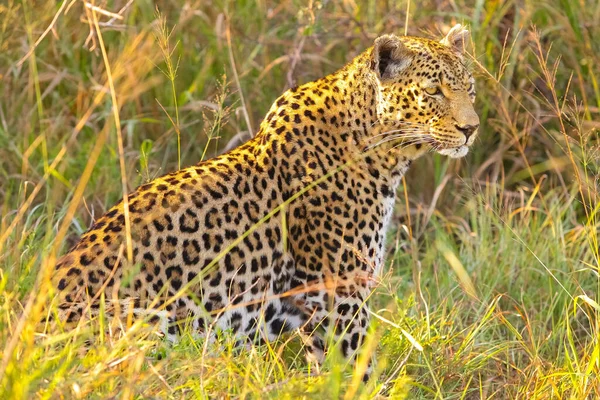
(493, 281)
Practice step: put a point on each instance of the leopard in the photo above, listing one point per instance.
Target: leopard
(286, 232)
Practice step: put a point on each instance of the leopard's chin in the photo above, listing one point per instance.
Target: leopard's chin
(455, 152)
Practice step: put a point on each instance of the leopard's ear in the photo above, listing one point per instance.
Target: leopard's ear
(389, 57)
(456, 39)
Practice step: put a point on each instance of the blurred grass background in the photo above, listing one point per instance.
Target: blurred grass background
(493, 283)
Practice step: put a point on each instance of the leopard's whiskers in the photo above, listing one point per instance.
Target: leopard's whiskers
(407, 144)
(390, 138)
(415, 132)
(411, 130)
(406, 123)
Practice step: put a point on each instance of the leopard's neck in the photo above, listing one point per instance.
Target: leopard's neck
(332, 119)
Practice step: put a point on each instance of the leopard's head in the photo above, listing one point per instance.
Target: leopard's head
(425, 93)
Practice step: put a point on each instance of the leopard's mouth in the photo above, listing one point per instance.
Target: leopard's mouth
(452, 145)
(454, 152)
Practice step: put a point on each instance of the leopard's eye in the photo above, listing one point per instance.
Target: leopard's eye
(434, 91)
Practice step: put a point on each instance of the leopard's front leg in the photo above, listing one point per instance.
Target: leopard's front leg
(339, 317)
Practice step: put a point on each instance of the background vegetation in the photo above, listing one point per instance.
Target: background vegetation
(493, 282)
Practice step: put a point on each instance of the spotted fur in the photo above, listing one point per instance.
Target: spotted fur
(288, 230)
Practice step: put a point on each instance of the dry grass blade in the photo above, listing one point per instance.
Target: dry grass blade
(237, 79)
(117, 119)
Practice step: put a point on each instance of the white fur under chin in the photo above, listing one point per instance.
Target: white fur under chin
(456, 152)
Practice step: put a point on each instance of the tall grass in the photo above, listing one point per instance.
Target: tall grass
(493, 281)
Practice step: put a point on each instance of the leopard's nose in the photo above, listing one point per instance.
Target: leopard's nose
(467, 130)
